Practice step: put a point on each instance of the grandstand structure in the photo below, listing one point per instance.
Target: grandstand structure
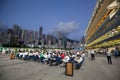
(104, 26)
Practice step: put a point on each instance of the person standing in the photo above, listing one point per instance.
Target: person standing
(116, 53)
(92, 55)
(3, 51)
(108, 53)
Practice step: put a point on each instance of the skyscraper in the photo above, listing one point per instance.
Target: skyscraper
(17, 31)
(16, 34)
(36, 35)
(22, 34)
(36, 39)
(26, 37)
(9, 35)
(44, 38)
(54, 40)
(31, 35)
(58, 39)
(47, 38)
(40, 32)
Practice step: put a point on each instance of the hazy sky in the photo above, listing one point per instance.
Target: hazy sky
(70, 17)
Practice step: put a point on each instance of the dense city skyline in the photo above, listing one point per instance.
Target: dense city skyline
(69, 17)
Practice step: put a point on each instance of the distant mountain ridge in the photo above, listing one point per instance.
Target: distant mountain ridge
(70, 40)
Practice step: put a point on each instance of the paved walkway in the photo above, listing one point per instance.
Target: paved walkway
(29, 70)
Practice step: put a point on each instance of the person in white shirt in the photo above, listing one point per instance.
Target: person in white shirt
(78, 61)
(65, 59)
(35, 56)
(3, 51)
(25, 55)
(92, 55)
(108, 53)
(21, 55)
(30, 55)
(83, 56)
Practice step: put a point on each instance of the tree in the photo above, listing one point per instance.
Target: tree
(20, 43)
(39, 43)
(33, 42)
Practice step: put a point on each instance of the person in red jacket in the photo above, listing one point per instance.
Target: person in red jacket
(62, 55)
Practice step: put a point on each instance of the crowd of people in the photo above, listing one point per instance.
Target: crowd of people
(53, 57)
(56, 57)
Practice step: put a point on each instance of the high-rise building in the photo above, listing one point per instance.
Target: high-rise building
(14, 39)
(58, 39)
(49, 43)
(69, 44)
(36, 35)
(47, 39)
(31, 36)
(9, 31)
(75, 45)
(16, 34)
(9, 35)
(17, 31)
(43, 36)
(40, 32)
(54, 40)
(3, 38)
(26, 37)
(36, 39)
(22, 34)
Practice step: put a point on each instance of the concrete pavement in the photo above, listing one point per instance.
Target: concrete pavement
(28, 70)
